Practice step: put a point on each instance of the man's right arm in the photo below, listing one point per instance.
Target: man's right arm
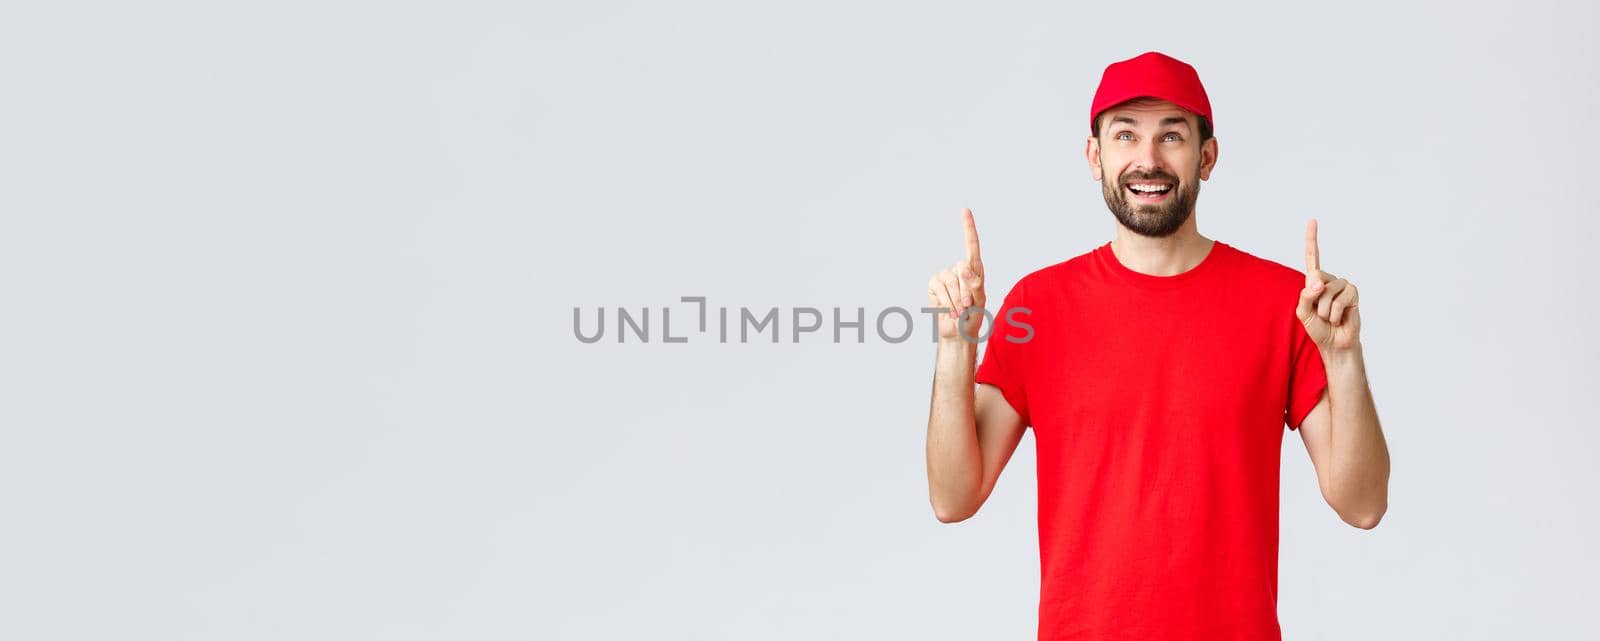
(972, 430)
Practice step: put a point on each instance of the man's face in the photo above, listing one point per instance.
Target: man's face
(1149, 161)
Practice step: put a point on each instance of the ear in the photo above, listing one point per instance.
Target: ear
(1091, 153)
(1208, 158)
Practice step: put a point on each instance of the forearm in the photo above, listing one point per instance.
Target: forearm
(955, 461)
(1359, 458)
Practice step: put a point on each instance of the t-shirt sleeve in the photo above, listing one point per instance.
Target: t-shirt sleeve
(1004, 364)
(1307, 377)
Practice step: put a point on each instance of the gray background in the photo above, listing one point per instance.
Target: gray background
(286, 293)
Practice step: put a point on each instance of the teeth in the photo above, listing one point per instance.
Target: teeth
(1149, 188)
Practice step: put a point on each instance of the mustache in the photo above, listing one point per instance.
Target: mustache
(1148, 175)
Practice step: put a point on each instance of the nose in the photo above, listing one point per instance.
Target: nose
(1145, 157)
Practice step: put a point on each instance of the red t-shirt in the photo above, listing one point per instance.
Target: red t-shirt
(1157, 405)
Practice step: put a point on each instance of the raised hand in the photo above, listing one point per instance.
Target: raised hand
(1327, 303)
(959, 288)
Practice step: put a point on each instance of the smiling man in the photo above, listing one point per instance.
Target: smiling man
(1160, 371)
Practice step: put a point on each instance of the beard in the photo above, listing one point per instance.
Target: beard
(1157, 220)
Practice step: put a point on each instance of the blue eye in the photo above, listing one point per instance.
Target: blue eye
(1174, 137)
(1121, 136)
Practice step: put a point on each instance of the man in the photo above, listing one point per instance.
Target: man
(1157, 372)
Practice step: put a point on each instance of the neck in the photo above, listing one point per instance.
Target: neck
(1168, 256)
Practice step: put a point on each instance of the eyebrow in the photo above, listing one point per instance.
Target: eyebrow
(1169, 120)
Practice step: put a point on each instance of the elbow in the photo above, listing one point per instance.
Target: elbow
(1359, 509)
(947, 513)
(951, 516)
(1364, 517)
(1363, 520)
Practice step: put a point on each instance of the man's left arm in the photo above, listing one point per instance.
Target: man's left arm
(1342, 433)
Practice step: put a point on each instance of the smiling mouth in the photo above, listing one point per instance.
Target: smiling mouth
(1149, 192)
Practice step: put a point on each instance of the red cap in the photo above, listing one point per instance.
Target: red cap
(1155, 75)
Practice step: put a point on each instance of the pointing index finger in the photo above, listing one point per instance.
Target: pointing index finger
(972, 235)
(1313, 256)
